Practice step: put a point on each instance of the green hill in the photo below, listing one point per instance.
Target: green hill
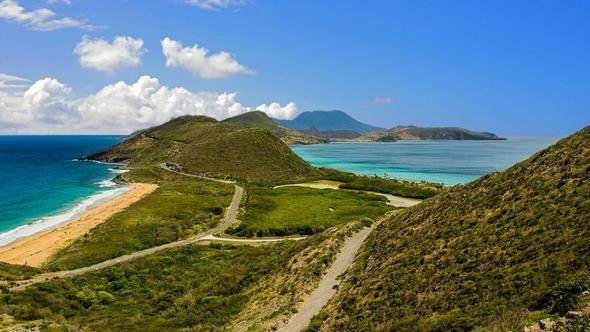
(493, 254)
(203, 145)
(257, 119)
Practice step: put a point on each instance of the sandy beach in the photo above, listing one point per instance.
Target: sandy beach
(34, 250)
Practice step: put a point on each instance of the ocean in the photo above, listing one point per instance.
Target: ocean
(43, 185)
(447, 162)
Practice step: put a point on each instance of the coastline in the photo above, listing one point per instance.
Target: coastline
(33, 244)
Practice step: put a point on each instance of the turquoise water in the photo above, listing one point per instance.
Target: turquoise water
(43, 185)
(448, 162)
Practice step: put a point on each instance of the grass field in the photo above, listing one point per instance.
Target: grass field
(179, 208)
(200, 287)
(305, 211)
(395, 187)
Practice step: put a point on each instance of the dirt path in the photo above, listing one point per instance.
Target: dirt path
(230, 217)
(392, 200)
(328, 285)
(258, 240)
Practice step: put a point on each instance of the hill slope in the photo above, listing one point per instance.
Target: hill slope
(486, 254)
(431, 133)
(203, 145)
(257, 119)
(328, 120)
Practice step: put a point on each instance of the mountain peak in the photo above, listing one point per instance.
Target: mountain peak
(328, 120)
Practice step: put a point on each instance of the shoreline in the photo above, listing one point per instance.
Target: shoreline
(35, 246)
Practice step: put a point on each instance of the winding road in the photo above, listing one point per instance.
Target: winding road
(311, 306)
(230, 217)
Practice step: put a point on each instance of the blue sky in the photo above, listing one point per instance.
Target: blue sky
(510, 67)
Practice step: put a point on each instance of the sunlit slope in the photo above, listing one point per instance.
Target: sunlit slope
(203, 145)
(486, 254)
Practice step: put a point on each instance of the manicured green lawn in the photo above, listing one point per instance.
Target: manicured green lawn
(179, 208)
(198, 287)
(298, 210)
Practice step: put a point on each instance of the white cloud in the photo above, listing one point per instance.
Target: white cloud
(215, 4)
(275, 110)
(383, 100)
(48, 106)
(12, 82)
(42, 19)
(99, 54)
(198, 60)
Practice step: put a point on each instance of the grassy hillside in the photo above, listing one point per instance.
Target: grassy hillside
(199, 287)
(257, 119)
(493, 254)
(203, 145)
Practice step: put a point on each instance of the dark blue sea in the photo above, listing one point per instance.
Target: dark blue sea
(447, 162)
(43, 185)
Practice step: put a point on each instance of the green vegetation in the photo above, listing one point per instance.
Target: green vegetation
(10, 272)
(203, 145)
(304, 211)
(277, 296)
(198, 287)
(258, 119)
(482, 255)
(180, 207)
(384, 185)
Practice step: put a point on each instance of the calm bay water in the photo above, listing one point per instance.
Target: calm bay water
(42, 184)
(448, 162)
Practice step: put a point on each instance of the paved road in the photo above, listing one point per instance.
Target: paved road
(230, 217)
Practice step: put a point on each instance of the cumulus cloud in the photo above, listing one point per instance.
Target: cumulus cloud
(198, 60)
(215, 4)
(100, 54)
(275, 110)
(383, 100)
(48, 106)
(42, 19)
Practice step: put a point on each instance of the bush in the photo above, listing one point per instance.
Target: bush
(105, 297)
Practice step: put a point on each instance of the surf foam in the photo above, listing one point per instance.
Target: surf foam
(47, 223)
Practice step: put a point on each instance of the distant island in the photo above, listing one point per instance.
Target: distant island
(323, 126)
(325, 121)
(401, 133)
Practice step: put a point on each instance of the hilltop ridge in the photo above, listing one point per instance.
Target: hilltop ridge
(204, 145)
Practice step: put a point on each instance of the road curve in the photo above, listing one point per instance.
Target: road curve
(230, 217)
